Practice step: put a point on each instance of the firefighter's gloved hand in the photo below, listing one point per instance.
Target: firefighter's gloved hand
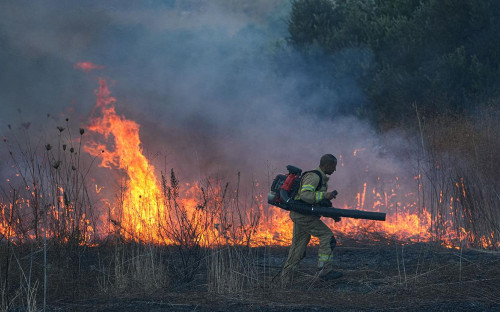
(331, 195)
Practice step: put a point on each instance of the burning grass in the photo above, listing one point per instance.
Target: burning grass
(63, 239)
(53, 195)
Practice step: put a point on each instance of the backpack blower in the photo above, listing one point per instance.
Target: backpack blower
(285, 187)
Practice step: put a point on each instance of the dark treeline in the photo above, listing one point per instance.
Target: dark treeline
(430, 69)
(440, 56)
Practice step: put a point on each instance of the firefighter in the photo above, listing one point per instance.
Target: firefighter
(304, 226)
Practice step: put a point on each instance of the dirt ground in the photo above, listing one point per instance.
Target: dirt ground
(377, 277)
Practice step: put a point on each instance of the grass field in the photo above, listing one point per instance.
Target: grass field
(386, 276)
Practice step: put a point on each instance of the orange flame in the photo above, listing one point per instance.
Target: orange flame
(140, 209)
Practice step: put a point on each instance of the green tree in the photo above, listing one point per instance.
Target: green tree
(443, 55)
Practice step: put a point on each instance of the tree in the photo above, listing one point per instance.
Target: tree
(443, 55)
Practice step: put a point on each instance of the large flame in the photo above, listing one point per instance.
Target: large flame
(140, 209)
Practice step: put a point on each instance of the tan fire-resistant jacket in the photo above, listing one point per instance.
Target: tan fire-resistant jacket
(307, 192)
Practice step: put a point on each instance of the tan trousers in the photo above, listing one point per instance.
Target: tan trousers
(303, 227)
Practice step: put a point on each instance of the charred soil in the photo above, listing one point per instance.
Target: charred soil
(386, 276)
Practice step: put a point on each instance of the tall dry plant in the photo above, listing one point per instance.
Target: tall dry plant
(219, 230)
(185, 230)
(46, 199)
(232, 269)
(49, 178)
(232, 263)
(134, 269)
(459, 166)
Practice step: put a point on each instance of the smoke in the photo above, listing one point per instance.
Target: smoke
(213, 85)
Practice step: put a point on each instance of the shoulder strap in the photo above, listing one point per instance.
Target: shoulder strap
(320, 184)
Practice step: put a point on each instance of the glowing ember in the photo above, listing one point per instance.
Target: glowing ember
(87, 66)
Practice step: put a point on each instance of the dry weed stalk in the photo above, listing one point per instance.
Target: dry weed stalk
(51, 181)
(458, 169)
(134, 269)
(232, 269)
(50, 204)
(232, 263)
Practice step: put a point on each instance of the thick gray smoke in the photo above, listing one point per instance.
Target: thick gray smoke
(212, 84)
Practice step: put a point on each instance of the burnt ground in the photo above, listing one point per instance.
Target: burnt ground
(377, 277)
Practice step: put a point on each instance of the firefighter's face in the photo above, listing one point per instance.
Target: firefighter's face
(331, 168)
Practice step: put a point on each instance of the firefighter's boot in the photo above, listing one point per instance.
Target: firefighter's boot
(329, 274)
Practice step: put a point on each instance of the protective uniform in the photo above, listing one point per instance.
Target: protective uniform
(306, 225)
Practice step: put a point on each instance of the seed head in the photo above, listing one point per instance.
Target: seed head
(56, 164)
(72, 150)
(64, 147)
(48, 147)
(73, 167)
(82, 131)
(61, 129)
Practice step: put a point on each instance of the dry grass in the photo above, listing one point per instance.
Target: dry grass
(459, 165)
(384, 275)
(133, 269)
(232, 270)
